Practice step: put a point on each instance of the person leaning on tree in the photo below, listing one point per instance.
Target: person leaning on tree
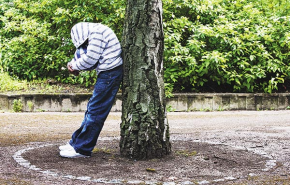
(97, 47)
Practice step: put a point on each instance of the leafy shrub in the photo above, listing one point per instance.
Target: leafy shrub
(17, 105)
(36, 40)
(228, 44)
(213, 46)
(276, 7)
(30, 105)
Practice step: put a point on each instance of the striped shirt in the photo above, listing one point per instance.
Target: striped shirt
(103, 51)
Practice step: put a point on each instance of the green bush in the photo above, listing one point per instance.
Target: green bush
(17, 105)
(212, 46)
(276, 7)
(225, 46)
(36, 40)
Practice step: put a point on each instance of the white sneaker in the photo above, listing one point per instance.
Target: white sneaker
(66, 147)
(71, 154)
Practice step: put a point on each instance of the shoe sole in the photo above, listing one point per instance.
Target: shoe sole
(75, 156)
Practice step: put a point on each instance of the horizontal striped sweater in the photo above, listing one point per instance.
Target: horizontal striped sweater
(97, 47)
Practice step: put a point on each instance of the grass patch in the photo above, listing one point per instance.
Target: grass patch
(185, 153)
(9, 85)
(102, 150)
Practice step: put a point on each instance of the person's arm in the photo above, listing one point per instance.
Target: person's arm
(96, 46)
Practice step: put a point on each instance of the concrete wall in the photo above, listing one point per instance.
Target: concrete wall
(228, 101)
(180, 102)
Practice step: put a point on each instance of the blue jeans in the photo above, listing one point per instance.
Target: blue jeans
(85, 138)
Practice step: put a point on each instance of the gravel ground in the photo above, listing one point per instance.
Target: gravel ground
(250, 147)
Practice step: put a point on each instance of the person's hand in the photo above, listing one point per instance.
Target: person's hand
(74, 72)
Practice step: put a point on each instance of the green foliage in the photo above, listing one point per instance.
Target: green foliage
(229, 44)
(17, 105)
(36, 40)
(7, 83)
(273, 7)
(30, 105)
(213, 46)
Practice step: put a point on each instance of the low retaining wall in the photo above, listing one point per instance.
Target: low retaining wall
(51, 102)
(179, 102)
(228, 101)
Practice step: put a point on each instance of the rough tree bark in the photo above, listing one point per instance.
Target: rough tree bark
(144, 127)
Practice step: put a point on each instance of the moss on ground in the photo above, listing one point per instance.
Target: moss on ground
(14, 181)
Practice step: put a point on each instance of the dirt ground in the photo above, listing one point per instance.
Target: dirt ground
(235, 147)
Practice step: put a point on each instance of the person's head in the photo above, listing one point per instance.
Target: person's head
(80, 33)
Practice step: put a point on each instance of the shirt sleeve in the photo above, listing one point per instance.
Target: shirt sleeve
(87, 60)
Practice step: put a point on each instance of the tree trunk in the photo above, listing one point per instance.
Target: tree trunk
(144, 127)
